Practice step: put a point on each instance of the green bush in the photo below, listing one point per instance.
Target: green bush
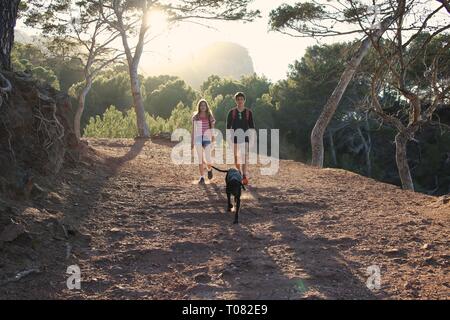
(181, 117)
(116, 124)
(113, 124)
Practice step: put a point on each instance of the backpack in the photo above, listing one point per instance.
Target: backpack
(234, 114)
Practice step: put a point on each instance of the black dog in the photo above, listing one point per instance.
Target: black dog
(233, 181)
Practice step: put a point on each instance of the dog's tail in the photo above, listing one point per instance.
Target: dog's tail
(220, 170)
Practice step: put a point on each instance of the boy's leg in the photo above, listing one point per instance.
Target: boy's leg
(207, 161)
(236, 157)
(246, 160)
(245, 165)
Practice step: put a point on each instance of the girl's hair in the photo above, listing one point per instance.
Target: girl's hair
(208, 111)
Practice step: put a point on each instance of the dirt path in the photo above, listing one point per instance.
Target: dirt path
(145, 230)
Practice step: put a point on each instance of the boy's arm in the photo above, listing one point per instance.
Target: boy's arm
(229, 120)
(251, 123)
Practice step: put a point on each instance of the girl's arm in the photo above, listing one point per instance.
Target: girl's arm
(192, 133)
(213, 125)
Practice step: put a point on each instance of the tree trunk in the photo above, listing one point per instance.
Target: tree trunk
(133, 62)
(143, 130)
(8, 16)
(80, 109)
(369, 144)
(332, 103)
(401, 158)
(333, 149)
(366, 151)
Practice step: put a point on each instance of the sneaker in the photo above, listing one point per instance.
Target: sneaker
(201, 181)
(210, 174)
(245, 180)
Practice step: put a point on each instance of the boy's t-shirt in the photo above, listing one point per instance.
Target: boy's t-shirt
(240, 122)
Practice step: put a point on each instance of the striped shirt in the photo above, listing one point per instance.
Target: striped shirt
(201, 125)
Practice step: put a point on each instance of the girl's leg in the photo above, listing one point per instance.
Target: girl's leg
(208, 160)
(200, 159)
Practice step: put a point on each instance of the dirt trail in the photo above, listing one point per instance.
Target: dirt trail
(142, 229)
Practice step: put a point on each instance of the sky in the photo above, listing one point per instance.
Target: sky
(272, 52)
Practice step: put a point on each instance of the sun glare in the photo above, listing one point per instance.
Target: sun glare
(158, 21)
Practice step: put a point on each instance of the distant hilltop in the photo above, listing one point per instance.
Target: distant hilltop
(225, 59)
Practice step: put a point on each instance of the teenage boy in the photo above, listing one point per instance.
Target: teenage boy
(241, 117)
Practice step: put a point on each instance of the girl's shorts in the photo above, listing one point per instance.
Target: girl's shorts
(203, 141)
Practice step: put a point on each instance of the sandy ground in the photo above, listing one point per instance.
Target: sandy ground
(140, 227)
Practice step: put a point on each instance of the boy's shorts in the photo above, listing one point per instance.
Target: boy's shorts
(236, 140)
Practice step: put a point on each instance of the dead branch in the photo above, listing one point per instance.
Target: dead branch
(446, 4)
(13, 155)
(68, 250)
(19, 276)
(51, 129)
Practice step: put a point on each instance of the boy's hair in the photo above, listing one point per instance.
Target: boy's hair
(239, 94)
